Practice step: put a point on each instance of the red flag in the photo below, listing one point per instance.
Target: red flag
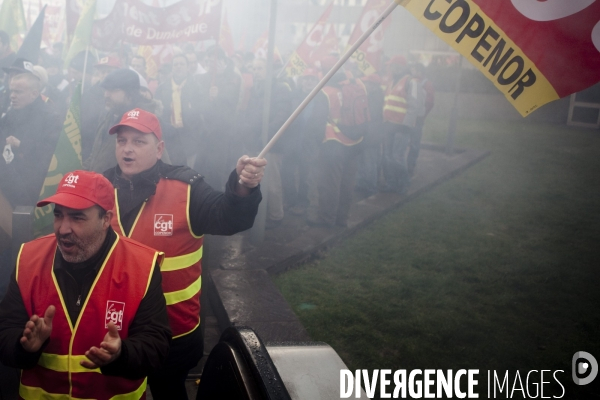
(54, 25)
(302, 58)
(533, 51)
(330, 45)
(226, 39)
(368, 55)
(261, 48)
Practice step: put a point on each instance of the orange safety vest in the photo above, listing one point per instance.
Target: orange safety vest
(394, 106)
(115, 296)
(332, 132)
(163, 223)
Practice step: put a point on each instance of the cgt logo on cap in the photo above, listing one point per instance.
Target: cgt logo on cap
(135, 114)
(585, 368)
(71, 180)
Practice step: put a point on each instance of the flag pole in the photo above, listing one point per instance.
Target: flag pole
(85, 60)
(326, 78)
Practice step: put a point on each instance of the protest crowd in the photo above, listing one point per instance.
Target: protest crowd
(169, 139)
(210, 106)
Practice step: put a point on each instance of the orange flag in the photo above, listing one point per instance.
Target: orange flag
(368, 55)
(303, 58)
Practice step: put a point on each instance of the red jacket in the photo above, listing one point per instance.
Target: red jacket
(332, 131)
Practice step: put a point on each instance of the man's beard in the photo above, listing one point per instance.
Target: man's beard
(84, 248)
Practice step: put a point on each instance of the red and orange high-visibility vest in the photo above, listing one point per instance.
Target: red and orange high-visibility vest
(163, 223)
(394, 106)
(332, 131)
(115, 296)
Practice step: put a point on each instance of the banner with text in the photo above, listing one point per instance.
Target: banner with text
(533, 51)
(135, 22)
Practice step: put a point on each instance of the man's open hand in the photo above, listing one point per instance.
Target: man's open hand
(109, 351)
(37, 330)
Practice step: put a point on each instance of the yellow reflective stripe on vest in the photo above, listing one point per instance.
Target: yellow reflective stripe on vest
(185, 333)
(61, 363)
(391, 97)
(393, 108)
(135, 395)
(184, 294)
(345, 144)
(30, 392)
(181, 262)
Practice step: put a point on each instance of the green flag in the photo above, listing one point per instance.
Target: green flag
(12, 21)
(66, 158)
(83, 31)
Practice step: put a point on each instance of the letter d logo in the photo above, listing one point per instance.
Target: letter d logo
(588, 367)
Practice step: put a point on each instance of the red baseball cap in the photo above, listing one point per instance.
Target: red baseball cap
(139, 119)
(82, 189)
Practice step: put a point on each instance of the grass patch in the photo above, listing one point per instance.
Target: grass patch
(496, 269)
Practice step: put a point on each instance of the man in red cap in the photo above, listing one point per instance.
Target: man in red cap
(170, 208)
(85, 315)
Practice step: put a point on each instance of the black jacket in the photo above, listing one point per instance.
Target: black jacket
(37, 126)
(144, 350)
(211, 211)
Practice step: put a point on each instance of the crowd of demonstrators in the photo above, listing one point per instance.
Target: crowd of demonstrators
(251, 128)
(181, 112)
(219, 92)
(299, 171)
(201, 112)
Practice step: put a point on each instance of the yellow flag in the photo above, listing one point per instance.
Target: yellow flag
(484, 33)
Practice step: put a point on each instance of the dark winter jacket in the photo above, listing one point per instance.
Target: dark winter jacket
(37, 126)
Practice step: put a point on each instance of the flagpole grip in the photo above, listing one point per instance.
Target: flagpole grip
(327, 77)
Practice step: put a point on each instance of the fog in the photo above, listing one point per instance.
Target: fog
(212, 97)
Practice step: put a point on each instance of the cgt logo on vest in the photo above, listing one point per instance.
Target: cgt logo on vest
(163, 224)
(114, 313)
